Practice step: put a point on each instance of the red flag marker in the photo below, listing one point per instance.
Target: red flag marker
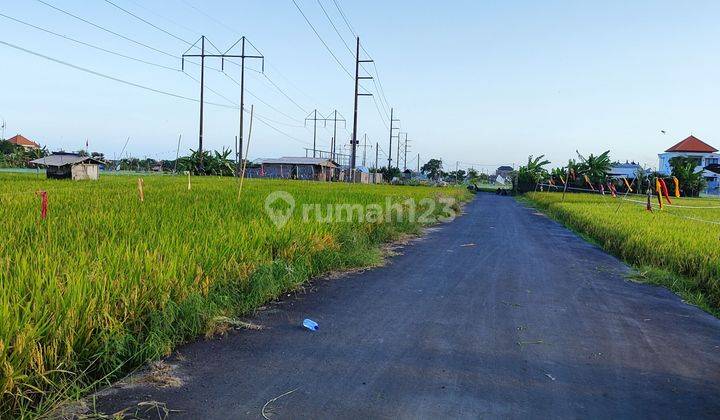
(43, 204)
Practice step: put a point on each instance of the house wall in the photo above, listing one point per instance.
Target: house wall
(705, 159)
(81, 172)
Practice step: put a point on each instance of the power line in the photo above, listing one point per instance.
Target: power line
(213, 91)
(262, 120)
(210, 17)
(347, 22)
(88, 44)
(262, 100)
(147, 22)
(335, 28)
(113, 78)
(106, 29)
(112, 52)
(180, 25)
(300, 107)
(190, 30)
(267, 77)
(321, 40)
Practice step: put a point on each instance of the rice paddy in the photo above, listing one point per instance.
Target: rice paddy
(678, 246)
(107, 282)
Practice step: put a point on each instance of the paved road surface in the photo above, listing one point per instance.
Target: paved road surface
(531, 321)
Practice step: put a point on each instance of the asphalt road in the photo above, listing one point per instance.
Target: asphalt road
(501, 313)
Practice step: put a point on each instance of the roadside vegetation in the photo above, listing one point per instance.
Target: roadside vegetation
(677, 247)
(107, 282)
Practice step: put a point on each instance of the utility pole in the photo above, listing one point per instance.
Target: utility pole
(393, 120)
(314, 118)
(354, 140)
(177, 154)
(202, 93)
(335, 120)
(418, 163)
(397, 150)
(222, 57)
(377, 154)
(406, 152)
(365, 150)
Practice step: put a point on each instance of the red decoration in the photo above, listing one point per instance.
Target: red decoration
(43, 204)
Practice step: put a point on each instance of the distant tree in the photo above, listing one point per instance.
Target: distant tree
(472, 176)
(456, 176)
(691, 181)
(532, 173)
(596, 167)
(433, 168)
(7, 148)
(390, 174)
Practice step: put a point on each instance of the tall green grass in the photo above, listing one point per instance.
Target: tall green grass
(106, 282)
(678, 247)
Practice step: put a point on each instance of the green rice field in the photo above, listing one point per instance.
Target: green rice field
(107, 282)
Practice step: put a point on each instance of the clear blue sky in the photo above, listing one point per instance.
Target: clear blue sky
(472, 81)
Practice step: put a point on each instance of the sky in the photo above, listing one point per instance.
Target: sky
(474, 83)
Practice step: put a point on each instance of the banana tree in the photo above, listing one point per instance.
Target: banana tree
(596, 167)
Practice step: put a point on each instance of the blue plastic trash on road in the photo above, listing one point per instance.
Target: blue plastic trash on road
(310, 325)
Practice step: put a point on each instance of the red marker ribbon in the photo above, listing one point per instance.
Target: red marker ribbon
(44, 203)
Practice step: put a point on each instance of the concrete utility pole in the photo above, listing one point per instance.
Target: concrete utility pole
(222, 57)
(177, 154)
(365, 150)
(377, 154)
(354, 140)
(397, 152)
(418, 163)
(406, 152)
(393, 120)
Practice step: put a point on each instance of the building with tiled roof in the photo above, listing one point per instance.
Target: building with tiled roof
(703, 153)
(24, 142)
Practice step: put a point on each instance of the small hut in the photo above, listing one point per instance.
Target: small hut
(307, 168)
(70, 166)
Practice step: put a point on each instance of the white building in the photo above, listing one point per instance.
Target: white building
(702, 152)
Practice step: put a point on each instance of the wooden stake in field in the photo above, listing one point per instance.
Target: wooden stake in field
(247, 150)
(141, 184)
(566, 182)
(189, 186)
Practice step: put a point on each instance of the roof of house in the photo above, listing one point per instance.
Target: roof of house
(625, 166)
(22, 141)
(692, 144)
(299, 161)
(61, 159)
(505, 168)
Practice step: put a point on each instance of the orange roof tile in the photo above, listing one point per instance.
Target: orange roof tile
(692, 144)
(22, 141)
